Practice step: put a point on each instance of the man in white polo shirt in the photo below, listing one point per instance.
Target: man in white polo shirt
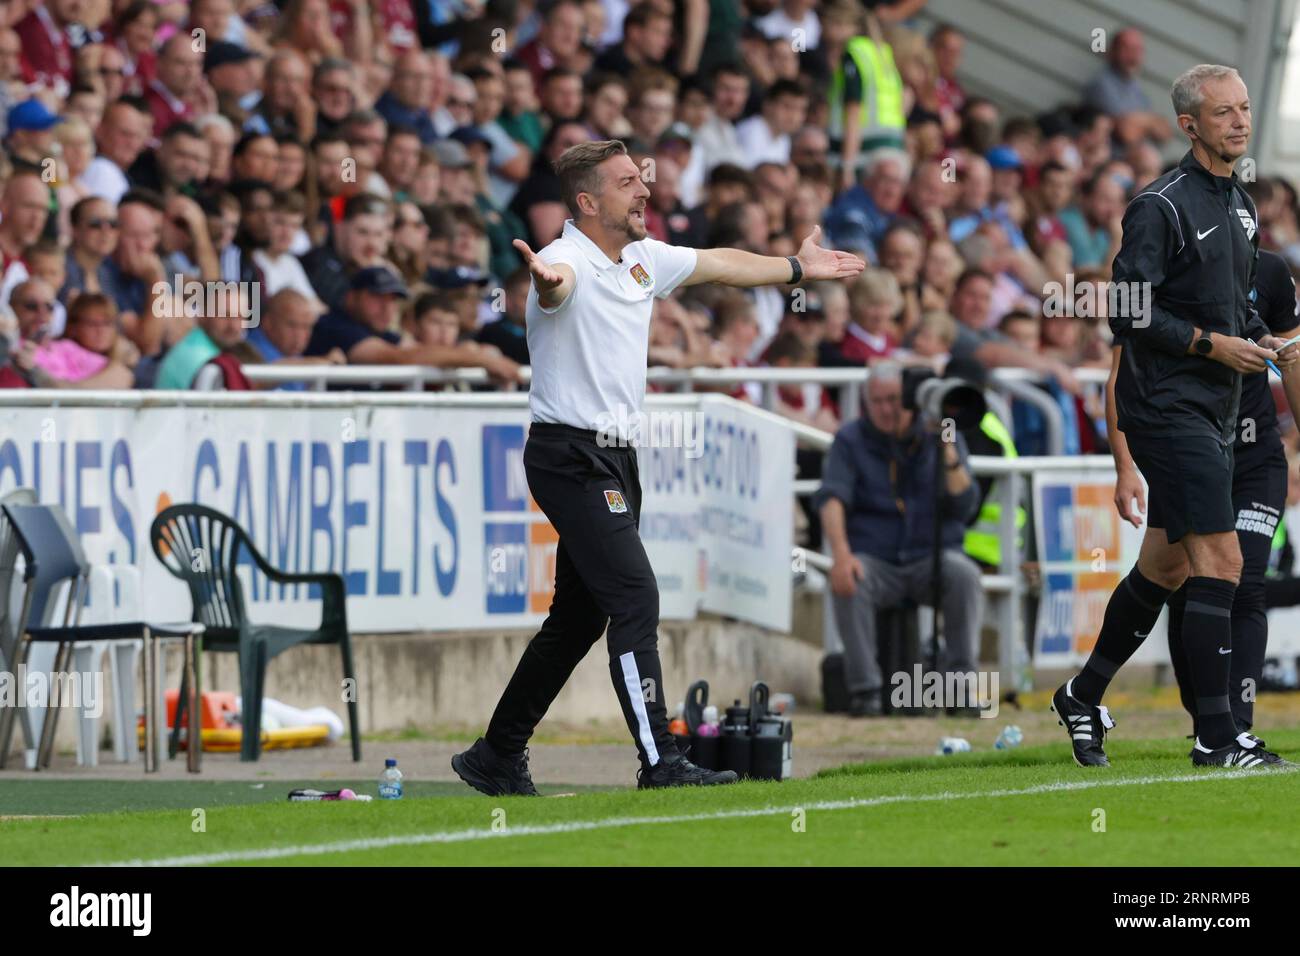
(588, 319)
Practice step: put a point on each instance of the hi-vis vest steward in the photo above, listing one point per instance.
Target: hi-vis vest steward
(881, 111)
(983, 542)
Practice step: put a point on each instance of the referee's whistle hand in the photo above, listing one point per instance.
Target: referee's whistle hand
(1241, 355)
(1286, 358)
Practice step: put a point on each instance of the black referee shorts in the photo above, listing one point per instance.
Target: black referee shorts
(1189, 481)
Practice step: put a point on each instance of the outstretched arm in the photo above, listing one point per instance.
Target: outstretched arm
(736, 267)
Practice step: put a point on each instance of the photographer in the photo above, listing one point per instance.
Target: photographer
(877, 509)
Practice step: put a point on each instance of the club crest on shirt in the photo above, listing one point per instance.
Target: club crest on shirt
(1246, 221)
(641, 276)
(614, 499)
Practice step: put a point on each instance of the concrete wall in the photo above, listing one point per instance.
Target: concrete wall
(423, 679)
(419, 680)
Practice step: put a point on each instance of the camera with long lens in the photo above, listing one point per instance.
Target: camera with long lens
(937, 399)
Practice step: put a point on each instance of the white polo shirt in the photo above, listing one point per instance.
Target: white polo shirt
(589, 354)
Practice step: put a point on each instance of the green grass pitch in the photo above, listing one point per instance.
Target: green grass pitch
(1030, 806)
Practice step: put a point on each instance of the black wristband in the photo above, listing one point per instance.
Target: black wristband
(796, 273)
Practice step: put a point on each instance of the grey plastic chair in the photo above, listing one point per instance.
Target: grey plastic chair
(54, 559)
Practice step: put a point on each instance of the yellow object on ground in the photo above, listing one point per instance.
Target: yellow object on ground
(228, 740)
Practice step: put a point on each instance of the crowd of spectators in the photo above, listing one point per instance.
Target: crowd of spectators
(191, 188)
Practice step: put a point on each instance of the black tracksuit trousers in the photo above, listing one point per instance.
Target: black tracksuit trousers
(592, 496)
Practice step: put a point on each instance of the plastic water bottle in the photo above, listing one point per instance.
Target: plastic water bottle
(952, 745)
(390, 781)
(1010, 737)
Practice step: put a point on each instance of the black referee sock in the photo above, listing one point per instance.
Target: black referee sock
(1177, 604)
(1207, 641)
(1249, 647)
(1130, 615)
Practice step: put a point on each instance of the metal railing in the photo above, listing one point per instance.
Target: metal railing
(1005, 383)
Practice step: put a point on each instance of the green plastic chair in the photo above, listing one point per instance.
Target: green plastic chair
(201, 546)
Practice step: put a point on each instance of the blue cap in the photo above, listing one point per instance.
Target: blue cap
(1003, 157)
(390, 762)
(32, 115)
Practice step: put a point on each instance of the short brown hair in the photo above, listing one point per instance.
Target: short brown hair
(577, 165)
(86, 302)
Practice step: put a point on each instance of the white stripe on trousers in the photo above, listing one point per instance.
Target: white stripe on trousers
(632, 681)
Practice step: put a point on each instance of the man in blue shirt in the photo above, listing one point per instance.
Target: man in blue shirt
(287, 321)
(877, 508)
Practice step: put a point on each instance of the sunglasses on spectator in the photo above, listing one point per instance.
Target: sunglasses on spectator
(101, 223)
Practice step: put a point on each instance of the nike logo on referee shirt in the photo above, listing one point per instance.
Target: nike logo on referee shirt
(1202, 235)
(1228, 651)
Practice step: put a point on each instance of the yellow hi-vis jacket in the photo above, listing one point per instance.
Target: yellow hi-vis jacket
(983, 542)
(881, 110)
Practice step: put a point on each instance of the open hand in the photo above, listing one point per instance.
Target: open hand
(544, 277)
(821, 263)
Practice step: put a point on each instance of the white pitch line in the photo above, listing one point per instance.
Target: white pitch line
(576, 826)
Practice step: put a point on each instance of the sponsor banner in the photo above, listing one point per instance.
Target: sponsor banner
(424, 510)
(1085, 550)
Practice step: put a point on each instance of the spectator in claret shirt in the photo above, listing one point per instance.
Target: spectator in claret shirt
(872, 332)
(558, 42)
(46, 47)
(173, 94)
(134, 30)
(24, 211)
(12, 89)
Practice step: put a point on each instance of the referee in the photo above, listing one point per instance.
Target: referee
(1259, 484)
(1191, 239)
(588, 319)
